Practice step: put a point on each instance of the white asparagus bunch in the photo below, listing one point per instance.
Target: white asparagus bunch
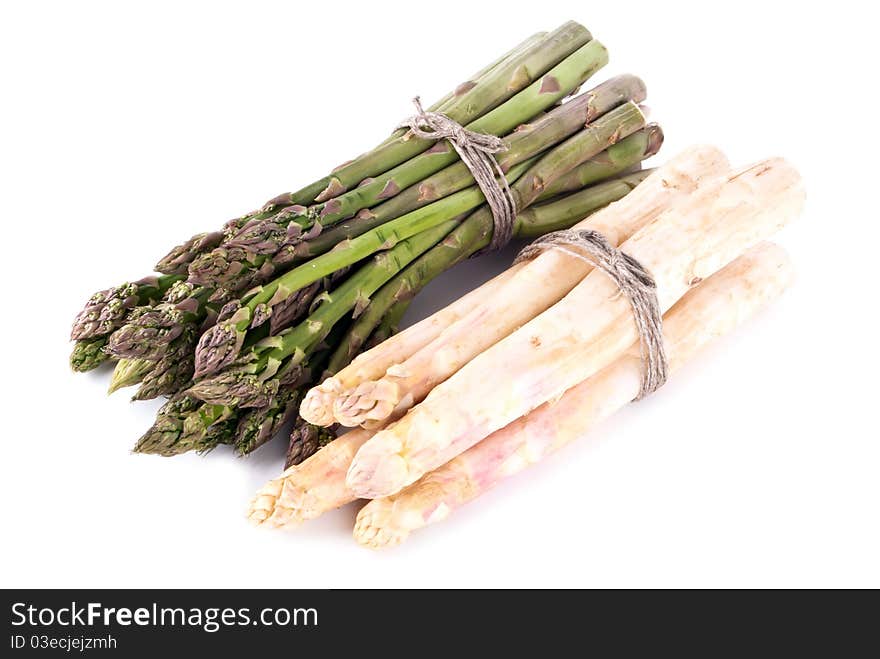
(710, 310)
(317, 405)
(586, 331)
(532, 289)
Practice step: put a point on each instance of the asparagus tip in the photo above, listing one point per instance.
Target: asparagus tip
(375, 527)
(218, 347)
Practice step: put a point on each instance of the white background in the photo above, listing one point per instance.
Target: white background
(126, 127)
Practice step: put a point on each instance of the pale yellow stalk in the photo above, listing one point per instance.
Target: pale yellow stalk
(590, 328)
(537, 286)
(309, 489)
(710, 310)
(317, 405)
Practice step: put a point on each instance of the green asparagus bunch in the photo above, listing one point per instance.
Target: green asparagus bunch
(243, 320)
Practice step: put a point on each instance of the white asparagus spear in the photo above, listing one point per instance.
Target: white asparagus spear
(534, 288)
(590, 328)
(317, 405)
(710, 310)
(310, 488)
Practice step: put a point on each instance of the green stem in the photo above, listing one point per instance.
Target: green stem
(499, 84)
(571, 209)
(379, 321)
(606, 131)
(544, 93)
(525, 142)
(382, 237)
(259, 373)
(474, 234)
(613, 161)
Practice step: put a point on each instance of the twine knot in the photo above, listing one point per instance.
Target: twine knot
(632, 279)
(477, 151)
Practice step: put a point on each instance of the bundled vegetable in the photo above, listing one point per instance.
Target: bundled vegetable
(710, 310)
(244, 320)
(285, 319)
(574, 360)
(581, 334)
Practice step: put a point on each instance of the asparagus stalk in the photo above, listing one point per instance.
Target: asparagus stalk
(387, 327)
(88, 354)
(606, 131)
(540, 95)
(257, 374)
(525, 142)
(500, 83)
(565, 211)
(220, 345)
(613, 161)
(444, 103)
(390, 153)
(259, 240)
(712, 309)
(562, 345)
(305, 437)
(106, 310)
(378, 322)
(405, 384)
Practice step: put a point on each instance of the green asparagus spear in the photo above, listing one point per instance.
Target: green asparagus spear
(88, 354)
(257, 241)
(220, 345)
(525, 142)
(378, 322)
(473, 98)
(106, 310)
(613, 161)
(252, 382)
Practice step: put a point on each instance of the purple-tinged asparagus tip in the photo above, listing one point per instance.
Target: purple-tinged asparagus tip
(106, 310)
(217, 348)
(305, 440)
(149, 335)
(235, 389)
(179, 258)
